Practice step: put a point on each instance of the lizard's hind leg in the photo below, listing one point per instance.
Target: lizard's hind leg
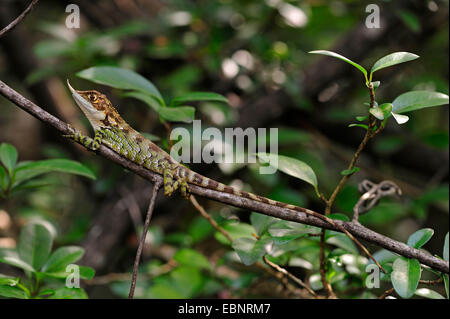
(184, 189)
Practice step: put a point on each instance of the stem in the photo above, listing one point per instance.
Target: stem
(156, 188)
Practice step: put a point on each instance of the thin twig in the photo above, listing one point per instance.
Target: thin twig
(17, 20)
(288, 274)
(230, 199)
(209, 218)
(386, 293)
(151, 206)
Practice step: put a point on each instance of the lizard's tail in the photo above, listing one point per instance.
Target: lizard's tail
(203, 181)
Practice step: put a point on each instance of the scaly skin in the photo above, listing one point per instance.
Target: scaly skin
(115, 133)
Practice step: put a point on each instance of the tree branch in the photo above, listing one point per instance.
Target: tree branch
(17, 20)
(283, 213)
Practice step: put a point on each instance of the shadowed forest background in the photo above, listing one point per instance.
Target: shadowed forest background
(255, 54)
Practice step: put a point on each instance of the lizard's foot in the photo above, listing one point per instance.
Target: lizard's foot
(184, 189)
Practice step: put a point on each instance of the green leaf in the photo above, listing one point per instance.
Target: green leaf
(69, 293)
(8, 156)
(399, 118)
(445, 249)
(184, 114)
(261, 223)
(62, 257)
(420, 237)
(120, 78)
(32, 169)
(428, 293)
(35, 244)
(13, 259)
(187, 280)
(350, 171)
(190, 257)
(342, 241)
(250, 249)
(405, 276)
(85, 272)
(9, 281)
(343, 58)
(362, 118)
(393, 59)
(12, 292)
(292, 167)
(147, 99)
(416, 100)
(235, 230)
(382, 111)
(364, 126)
(199, 96)
(3, 178)
(284, 231)
(376, 84)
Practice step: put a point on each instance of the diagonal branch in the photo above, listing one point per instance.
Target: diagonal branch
(17, 20)
(355, 229)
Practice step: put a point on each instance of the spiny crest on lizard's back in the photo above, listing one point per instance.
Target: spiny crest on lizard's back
(102, 104)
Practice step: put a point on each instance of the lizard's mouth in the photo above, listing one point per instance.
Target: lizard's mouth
(81, 102)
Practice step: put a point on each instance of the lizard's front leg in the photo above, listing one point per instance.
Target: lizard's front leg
(92, 144)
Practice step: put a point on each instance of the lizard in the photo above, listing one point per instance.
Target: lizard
(112, 130)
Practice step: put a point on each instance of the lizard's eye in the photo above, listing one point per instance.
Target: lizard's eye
(92, 97)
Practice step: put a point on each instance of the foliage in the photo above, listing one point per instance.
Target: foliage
(187, 62)
(47, 273)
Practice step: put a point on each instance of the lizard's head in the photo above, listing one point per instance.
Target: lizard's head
(97, 108)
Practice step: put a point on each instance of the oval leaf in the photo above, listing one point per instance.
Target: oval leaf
(343, 58)
(428, 293)
(199, 96)
(184, 114)
(393, 59)
(416, 100)
(250, 249)
(119, 78)
(405, 276)
(62, 257)
(399, 118)
(35, 244)
(32, 169)
(420, 237)
(291, 166)
(190, 257)
(8, 156)
(147, 99)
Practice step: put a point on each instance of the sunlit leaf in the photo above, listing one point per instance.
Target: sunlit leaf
(343, 58)
(428, 293)
(420, 237)
(393, 59)
(291, 166)
(416, 100)
(405, 276)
